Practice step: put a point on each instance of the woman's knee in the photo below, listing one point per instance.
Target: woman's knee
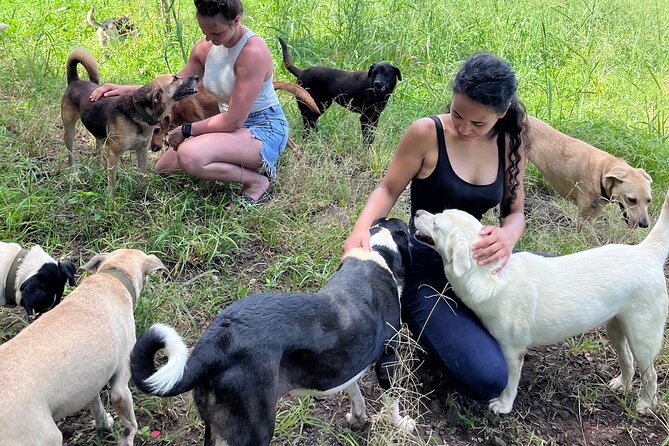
(188, 160)
(482, 384)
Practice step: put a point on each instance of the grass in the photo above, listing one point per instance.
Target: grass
(595, 69)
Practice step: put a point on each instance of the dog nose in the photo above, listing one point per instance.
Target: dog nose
(643, 223)
(379, 86)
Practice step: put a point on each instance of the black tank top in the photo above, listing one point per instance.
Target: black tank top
(444, 189)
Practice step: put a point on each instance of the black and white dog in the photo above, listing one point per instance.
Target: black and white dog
(32, 278)
(265, 345)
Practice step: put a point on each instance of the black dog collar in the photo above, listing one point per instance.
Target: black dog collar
(602, 196)
(10, 285)
(140, 111)
(124, 279)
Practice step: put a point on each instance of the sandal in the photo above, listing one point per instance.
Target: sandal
(244, 201)
(248, 201)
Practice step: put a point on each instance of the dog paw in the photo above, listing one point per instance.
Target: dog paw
(645, 406)
(498, 406)
(406, 424)
(619, 385)
(355, 422)
(106, 423)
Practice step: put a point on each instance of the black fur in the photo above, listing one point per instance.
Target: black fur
(44, 290)
(265, 345)
(364, 92)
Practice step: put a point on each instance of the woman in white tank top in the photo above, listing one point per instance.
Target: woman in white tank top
(242, 144)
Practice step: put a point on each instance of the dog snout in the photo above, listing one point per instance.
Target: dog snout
(380, 86)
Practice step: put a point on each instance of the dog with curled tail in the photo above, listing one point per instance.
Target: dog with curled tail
(536, 300)
(266, 345)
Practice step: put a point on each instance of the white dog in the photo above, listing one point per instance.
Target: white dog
(536, 300)
(60, 363)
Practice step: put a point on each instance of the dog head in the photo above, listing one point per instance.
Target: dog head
(156, 99)
(630, 188)
(190, 109)
(450, 233)
(390, 239)
(41, 281)
(383, 77)
(135, 264)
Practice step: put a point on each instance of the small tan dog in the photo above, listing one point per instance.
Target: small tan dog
(59, 364)
(118, 123)
(588, 176)
(536, 300)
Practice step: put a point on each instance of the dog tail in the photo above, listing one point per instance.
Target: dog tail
(83, 57)
(91, 20)
(287, 61)
(299, 92)
(178, 375)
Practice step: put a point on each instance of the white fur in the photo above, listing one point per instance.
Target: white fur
(170, 373)
(537, 300)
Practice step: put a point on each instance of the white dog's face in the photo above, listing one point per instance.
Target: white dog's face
(451, 234)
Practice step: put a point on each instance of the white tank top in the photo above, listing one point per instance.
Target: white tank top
(219, 76)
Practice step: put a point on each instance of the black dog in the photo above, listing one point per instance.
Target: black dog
(364, 92)
(32, 278)
(265, 345)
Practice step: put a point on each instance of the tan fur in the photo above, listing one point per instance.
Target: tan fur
(579, 172)
(59, 364)
(118, 124)
(204, 105)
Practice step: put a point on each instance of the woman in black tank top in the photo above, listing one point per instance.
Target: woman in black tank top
(471, 158)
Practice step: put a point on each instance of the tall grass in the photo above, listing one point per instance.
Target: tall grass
(596, 69)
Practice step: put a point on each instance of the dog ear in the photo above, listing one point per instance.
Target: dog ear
(152, 263)
(370, 73)
(645, 175)
(94, 263)
(610, 178)
(398, 73)
(68, 269)
(459, 254)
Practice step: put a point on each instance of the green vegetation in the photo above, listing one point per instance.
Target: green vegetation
(595, 69)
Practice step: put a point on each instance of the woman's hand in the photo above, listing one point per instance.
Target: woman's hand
(357, 239)
(495, 246)
(108, 90)
(175, 137)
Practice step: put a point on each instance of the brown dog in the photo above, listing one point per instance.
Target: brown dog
(118, 123)
(589, 176)
(59, 364)
(204, 105)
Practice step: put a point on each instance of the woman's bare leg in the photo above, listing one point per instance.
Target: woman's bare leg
(232, 157)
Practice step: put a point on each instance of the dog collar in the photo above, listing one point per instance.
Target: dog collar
(124, 279)
(10, 286)
(140, 111)
(602, 196)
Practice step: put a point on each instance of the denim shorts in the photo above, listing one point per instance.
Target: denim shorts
(270, 127)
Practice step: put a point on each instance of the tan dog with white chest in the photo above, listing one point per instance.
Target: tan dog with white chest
(59, 364)
(536, 300)
(588, 176)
